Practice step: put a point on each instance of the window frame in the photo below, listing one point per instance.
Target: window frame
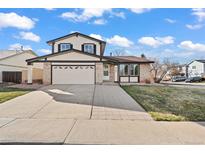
(193, 67)
(135, 65)
(129, 70)
(124, 65)
(59, 46)
(94, 48)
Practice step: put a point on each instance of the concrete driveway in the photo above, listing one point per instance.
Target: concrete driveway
(75, 102)
(88, 114)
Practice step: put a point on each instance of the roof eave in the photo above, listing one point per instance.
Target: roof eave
(76, 33)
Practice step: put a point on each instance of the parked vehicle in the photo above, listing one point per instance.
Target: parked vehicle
(178, 78)
(194, 79)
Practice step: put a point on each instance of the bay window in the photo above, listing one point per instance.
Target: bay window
(134, 70)
(124, 69)
(129, 70)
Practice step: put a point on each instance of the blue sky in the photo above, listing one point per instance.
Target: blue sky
(177, 34)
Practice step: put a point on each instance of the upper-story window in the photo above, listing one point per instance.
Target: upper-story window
(193, 67)
(65, 46)
(88, 47)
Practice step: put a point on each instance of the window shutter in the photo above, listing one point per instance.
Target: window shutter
(59, 47)
(83, 47)
(71, 46)
(95, 49)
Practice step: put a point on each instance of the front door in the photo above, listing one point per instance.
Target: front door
(106, 72)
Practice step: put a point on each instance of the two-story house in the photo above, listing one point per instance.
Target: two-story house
(79, 59)
(196, 68)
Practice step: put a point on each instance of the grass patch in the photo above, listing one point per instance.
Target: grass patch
(170, 103)
(10, 93)
(166, 117)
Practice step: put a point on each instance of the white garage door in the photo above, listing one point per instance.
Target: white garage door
(73, 74)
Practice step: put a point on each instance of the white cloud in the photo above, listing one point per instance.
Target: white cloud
(87, 14)
(120, 41)
(119, 14)
(14, 20)
(199, 13)
(189, 45)
(172, 53)
(99, 22)
(50, 9)
(97, 36)
(156, 41)
(29, 36)
(171, 21)
(139, 10)
(17, 46)
(70, 16)
(194, 27)
(45, 51)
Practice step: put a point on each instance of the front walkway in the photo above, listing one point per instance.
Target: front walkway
(88, 114)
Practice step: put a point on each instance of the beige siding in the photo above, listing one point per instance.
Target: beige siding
(18, 63)
(145, 73)
(18, 60)
(77, 43)
(24, 76)
(73, 56)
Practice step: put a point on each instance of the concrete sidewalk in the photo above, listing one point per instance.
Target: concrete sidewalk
(136, 132)
(68, 131)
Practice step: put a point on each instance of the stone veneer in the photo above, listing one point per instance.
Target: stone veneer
(112, 72)
(145, 73)
(47, 73)
(99, 73)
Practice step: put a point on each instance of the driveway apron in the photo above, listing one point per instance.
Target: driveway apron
(69, 101)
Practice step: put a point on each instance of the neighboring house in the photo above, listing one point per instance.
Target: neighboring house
(13, 66)
(196, 68)
(79, 59)
(179, 70)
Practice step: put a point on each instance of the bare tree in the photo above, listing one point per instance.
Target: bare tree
(161, 69)
(156, 66)
(118, 52)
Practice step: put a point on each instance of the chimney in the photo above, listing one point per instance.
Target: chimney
(110, 54)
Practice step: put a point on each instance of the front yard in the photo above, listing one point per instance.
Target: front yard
(170, 103)
(10, 93)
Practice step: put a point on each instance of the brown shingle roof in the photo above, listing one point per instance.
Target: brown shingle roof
(130, 59)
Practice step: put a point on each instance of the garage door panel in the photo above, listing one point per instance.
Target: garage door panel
(73, 74)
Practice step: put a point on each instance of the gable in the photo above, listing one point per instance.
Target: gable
(77, 42)
(199, 66)
(4, 54)
(17, 60)
(73, 56)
